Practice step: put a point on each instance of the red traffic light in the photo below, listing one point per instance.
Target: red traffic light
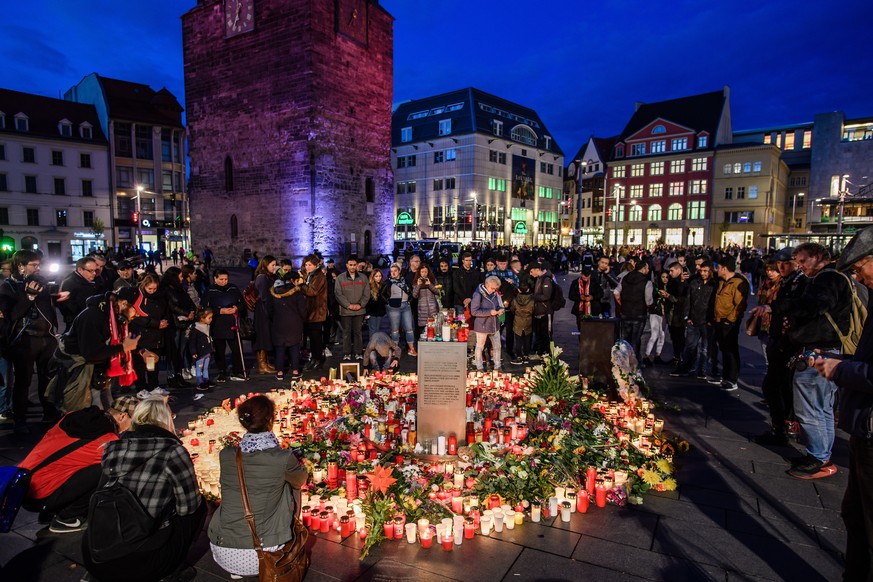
(135, 217)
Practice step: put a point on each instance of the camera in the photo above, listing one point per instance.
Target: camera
(801, 361)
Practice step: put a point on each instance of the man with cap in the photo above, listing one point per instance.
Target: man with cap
(126, 276)
(777, 383)
(853, 376)
(65, 464)
(508, 290)
(543, 290)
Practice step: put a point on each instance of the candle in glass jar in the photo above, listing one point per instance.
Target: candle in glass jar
(498, 520)
(315, 520)
(441, 445)
(410, 533)
(469, 528)
(399, 522)
(459, 478)
(600, 494)
(582, 501)
(590, 479)
(389, 529)
(423, 524)
(458, 504)
(452, 445)
(509, 519)
(553, 506)
(426, 537)
(448, 541)
(565, 511)
(485, 524)
(306, 515)
(351, 484)
(535, 512)
(560, 493)
(345, 526)
(326, 522)
(571, 498)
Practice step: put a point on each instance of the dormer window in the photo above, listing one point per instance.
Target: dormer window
(22, 123)
(497, 126)
(86, 131)
(548, 142)
(523, 134)
(619, 151)
(65, 128)
(445, 126)
(702, 141)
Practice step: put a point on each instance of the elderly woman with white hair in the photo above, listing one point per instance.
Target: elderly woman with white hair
(486, 307)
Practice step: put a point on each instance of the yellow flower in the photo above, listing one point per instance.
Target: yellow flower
(664, 466)
(669, 484)
(651, 477)
(684, 446)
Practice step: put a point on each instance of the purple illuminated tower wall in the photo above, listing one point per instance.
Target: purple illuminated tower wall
(289, 126)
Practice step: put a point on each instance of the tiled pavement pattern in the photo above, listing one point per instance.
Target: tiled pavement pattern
(736, 515)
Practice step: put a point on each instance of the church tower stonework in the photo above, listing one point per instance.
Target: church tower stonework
(289, 126)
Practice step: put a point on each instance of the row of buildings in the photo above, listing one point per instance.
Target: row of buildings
(469, 165)
(103, 167)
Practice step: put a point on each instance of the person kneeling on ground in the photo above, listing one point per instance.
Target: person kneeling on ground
(73, 448)
(273, 477)
(382, 352)
(152, 463)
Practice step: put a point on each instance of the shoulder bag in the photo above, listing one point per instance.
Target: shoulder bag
(287, 564)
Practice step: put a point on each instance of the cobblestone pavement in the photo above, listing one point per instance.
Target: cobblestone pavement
(735, 516)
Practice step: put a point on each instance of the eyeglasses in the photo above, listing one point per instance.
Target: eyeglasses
(858, 267)
(34, 265)
(90, 270)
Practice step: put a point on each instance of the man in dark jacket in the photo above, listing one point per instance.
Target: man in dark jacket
(465, 281)
(854, 377)
(543, 291)
(602, 285)
(698, 331)
(29, 312)
(635, 293)
(80, 286)
(677, 291)
(227, 304)
(828, 292)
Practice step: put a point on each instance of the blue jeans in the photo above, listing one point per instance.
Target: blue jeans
(814, 410)
(201, 369)
(697, 339)
(374, 322)
(398, 315)
(632, 333)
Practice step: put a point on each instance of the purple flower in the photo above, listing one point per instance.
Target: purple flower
(575, 410)
(567, 425)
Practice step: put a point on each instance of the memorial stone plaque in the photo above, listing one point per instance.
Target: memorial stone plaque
(596, 338)
(442, 390)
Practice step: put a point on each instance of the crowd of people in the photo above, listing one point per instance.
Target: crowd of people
(121, 327)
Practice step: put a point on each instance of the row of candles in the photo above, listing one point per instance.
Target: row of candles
(346, 516)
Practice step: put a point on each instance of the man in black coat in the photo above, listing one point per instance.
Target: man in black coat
(80, 286)
(227, 303)
(602, 285)
(635, 293)
(29, 310)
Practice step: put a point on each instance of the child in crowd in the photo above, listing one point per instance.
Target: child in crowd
(200, 347)
(522, 325)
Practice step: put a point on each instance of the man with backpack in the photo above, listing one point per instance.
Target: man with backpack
(819, 321)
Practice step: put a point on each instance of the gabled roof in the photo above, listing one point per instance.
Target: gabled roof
(697, 112)
(44, 114)
(471, 111)
(603, 145)
(137, 102)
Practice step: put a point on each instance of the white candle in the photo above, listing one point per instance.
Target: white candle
(459, 535)
(423, 524)
(498, 520)
(560, 493)
(553, 506)
(441, 445)
(410, 533)
(535, 512)
(565, 511)
(485, 524)
(509, 519)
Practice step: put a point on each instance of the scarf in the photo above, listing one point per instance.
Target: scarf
(258, 441)
(584, 304)
(402, 284)
(202, 327)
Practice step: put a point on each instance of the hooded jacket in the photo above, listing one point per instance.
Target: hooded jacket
(89, 334)
(287, 309)
(730, 299)
(218, 298)
(480, 308)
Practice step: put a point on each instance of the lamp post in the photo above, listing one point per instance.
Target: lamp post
(139, 190)
(473, 216)
(843, 185)
(794, 209)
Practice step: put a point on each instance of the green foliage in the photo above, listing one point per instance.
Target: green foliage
(552, 377)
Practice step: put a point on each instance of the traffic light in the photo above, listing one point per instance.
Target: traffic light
(135, 217)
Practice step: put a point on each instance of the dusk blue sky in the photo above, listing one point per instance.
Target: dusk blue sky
(581, 65)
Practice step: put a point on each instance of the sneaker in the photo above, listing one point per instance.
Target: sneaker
(713, 380)
(792, 429)
(700, 375)
(203, 387)
(347, 358)
(222, 378)
(280, 376)
(678, 373)
(186, 375)
(812, 468)
(535, 358)
(327, 353)
(526, 360)
(5, 417)
(62, 526)
(729, 386)
(234, 377)
(516, 361)
(412, 352)
(359, 357)
(295, 375)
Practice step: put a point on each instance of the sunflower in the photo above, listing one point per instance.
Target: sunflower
(669, 484)
(684, 446)
(651, 477)
(664, 466)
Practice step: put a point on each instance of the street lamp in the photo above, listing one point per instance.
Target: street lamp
(843, 192)
(473, 216)
(139, 190)
(794, 209)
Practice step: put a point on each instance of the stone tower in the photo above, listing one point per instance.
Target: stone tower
(289, 126)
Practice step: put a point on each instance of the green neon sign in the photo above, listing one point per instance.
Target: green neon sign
(520, 228)
(405, 219)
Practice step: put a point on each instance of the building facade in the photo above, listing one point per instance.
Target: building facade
(748, 196)
(289, 120)
(146, 161)
(54, 177)
(661, 170)
(473, 166)
(586, 179)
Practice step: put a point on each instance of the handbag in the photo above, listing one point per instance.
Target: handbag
(753, 325)
(246, 328)
(287, 564)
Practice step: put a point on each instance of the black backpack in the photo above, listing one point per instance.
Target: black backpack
(558, 300)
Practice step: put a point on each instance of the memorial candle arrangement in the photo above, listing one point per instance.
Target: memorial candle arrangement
(520, 450)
